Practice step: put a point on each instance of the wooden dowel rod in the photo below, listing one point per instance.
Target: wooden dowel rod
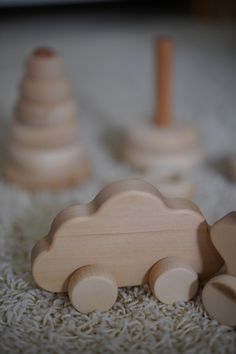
(163, 55)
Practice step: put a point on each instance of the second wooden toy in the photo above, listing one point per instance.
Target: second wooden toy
(160, 146)
(219, 294)
(44, 149)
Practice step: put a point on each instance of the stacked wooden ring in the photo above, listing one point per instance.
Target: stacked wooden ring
(44, 150)
(167, 151)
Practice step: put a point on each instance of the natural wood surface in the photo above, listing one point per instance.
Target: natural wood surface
(44, 63)
(219, 299)
(163, 140)
(163, 54)
(92, 288)
(173, 279)
(223, 236)
(219, 294)
(36, 179)
(44, 91)
(163, 163)
(45, 158)
(45, 136)
(165, 150)
(44, 150)
(127, 228)
(45, 114)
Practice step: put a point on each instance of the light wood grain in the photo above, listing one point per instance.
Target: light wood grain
(175, 138)
(92, 288)
(166, 164)
(163, 55)
(45, 114)
(44, 63)
(45, 158)
(44, 136)
(45, 90)
(167, 151)
(223, 236)
(219, 299)
(219, 294)
(173, 279)
(36, 179)
(127, 228)
(44, 150)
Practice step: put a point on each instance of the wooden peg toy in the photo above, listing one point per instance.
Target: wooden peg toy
(44, 150)
(219, 294)
(128, 235)
(161, 146)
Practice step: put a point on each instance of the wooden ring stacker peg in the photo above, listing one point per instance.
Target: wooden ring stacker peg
(44, 63)
(160, 145)
(45, 114)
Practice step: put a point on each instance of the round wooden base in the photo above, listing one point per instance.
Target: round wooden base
(164, 150)
(54, 179)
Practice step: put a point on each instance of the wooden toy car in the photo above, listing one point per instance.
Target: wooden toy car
(128, 235)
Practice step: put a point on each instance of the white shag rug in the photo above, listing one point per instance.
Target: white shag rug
(109, 63)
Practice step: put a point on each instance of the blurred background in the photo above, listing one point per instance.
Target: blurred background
(107, 49)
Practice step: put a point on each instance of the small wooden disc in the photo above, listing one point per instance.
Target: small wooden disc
(47, 179)
(41, 114)
(55, 135)
(49, 158)
(45, 90)
(165, 163)
(44, 63)
(173, 279)
(92, 288)
(219, 299)
(151, 138)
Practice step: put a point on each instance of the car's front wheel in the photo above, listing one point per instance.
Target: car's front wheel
(172, 279)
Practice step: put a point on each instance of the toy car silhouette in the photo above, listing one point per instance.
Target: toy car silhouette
(128, 235)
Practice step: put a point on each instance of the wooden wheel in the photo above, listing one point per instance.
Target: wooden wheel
(173, 279)
(92, 288)
(219, 299)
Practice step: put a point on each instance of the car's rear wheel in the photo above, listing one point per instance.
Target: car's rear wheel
(219, 298)
(172, 279)
(92, 288)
